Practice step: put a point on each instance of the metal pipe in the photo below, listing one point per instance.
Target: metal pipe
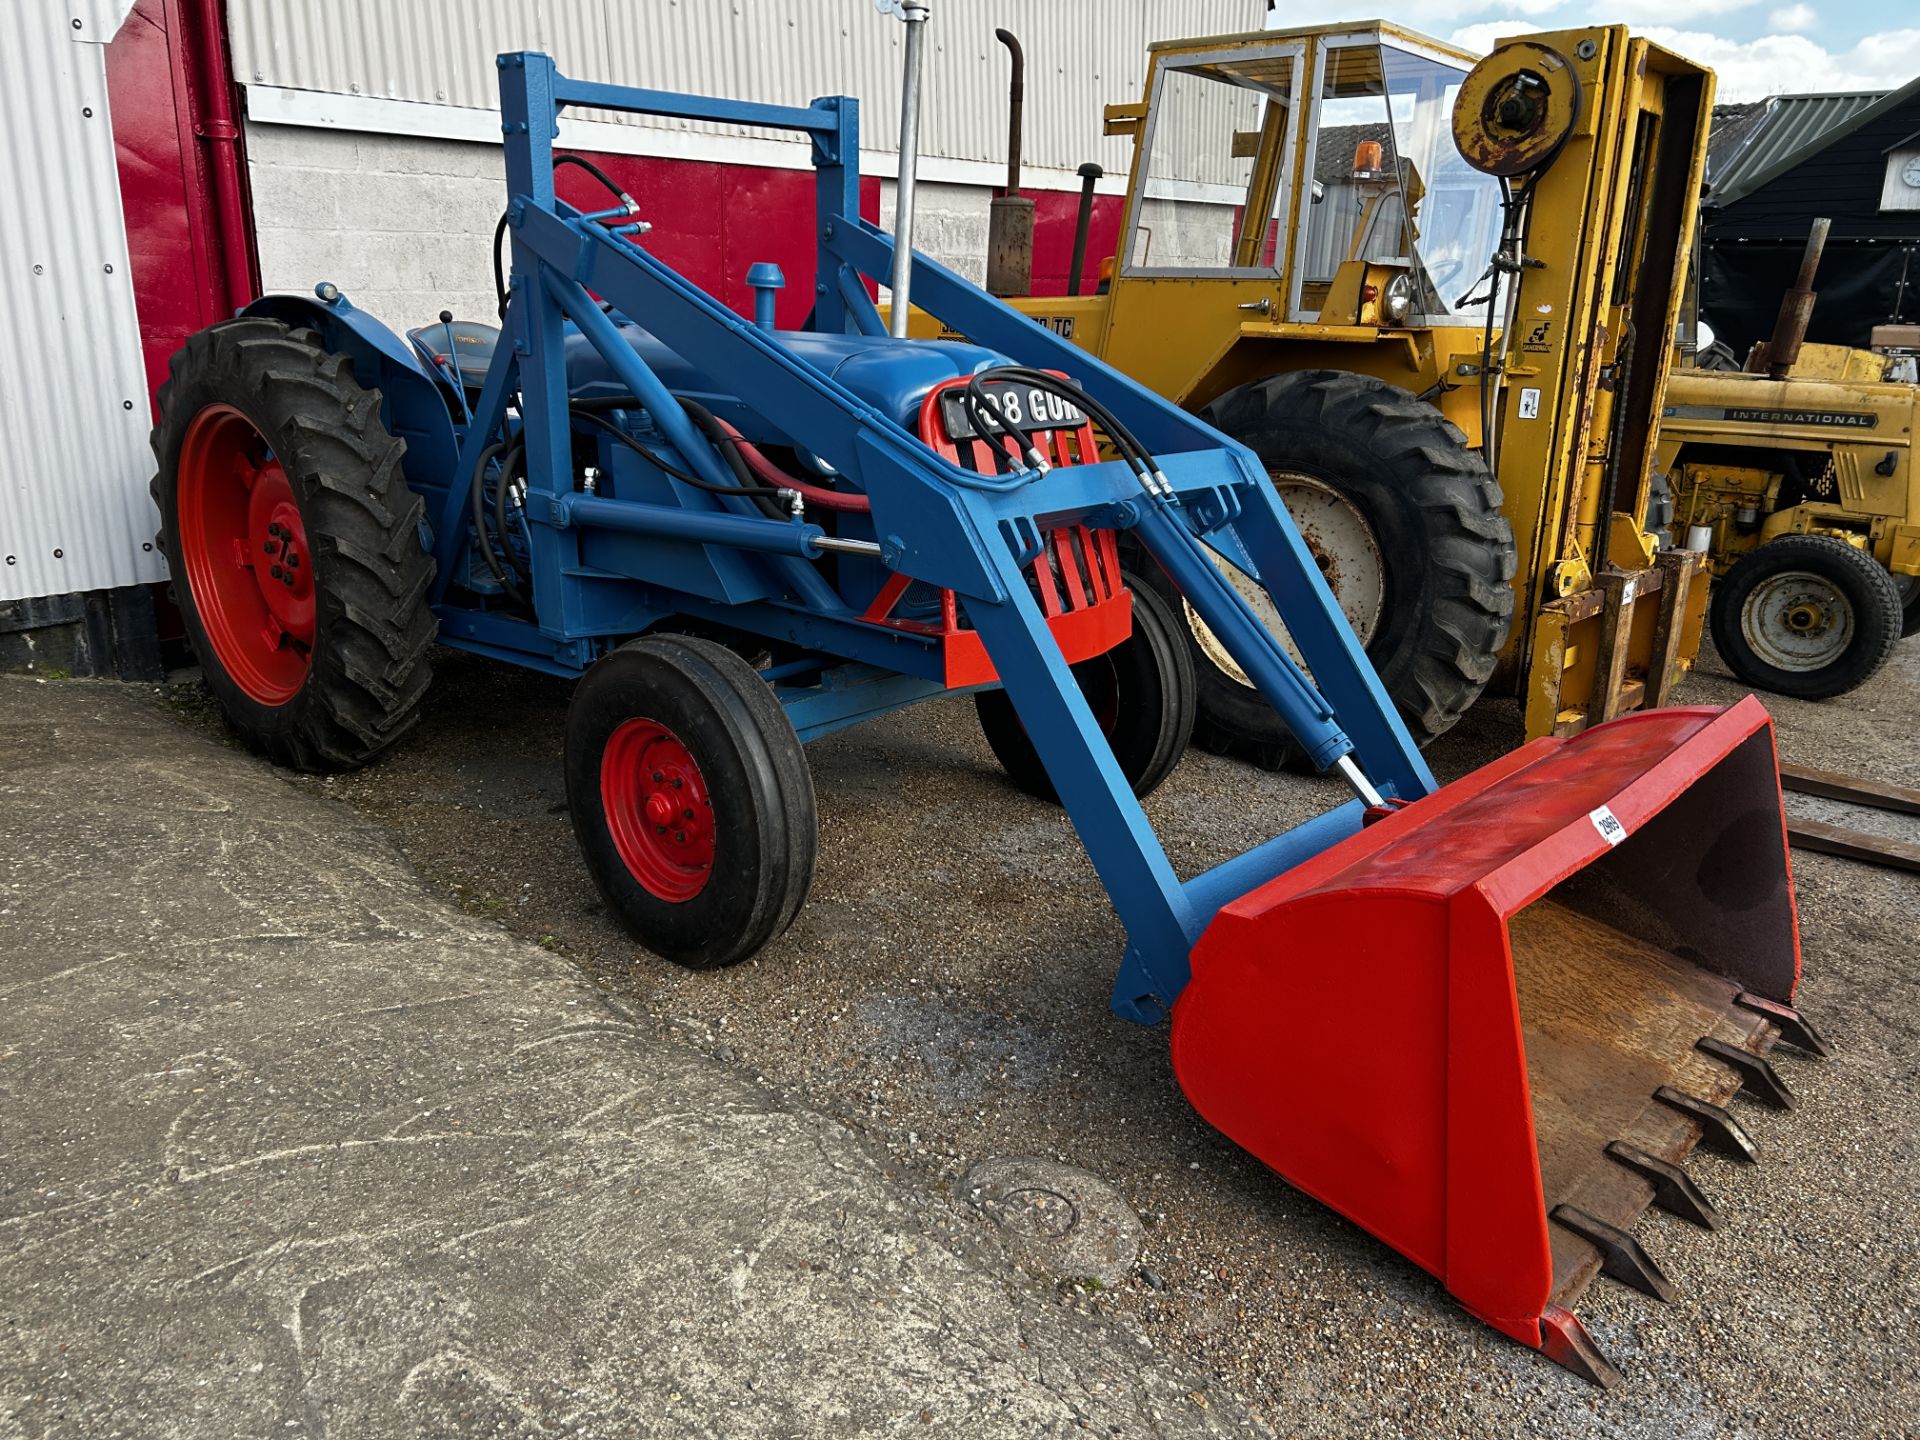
(1356, 778)
(218, 128)
(1082, 223)
(1016, 98)
(914, 13)
(704, 527)
(1796, 307)
(847, 547)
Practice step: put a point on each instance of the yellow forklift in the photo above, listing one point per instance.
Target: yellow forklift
(1437, 296)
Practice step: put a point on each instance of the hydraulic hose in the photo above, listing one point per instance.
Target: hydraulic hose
(477, 490)
(511, 466)
(826, 499)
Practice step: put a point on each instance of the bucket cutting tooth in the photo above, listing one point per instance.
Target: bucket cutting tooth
(1795, 1029)
(1718, 1129)
(1673, 1190)
(1565, 1341)
(1757, 1078)
(1621, 1257)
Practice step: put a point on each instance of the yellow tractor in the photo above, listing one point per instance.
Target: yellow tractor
(1437, 296)
(1797, 477)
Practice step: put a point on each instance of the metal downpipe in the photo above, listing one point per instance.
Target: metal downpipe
(914, 13)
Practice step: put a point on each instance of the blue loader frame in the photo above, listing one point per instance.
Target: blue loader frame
(605, 568)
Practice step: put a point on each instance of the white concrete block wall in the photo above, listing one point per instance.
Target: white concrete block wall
(949, 224)
(403, 225)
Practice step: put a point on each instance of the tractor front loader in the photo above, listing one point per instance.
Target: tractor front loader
(1436, 297)
(1487, 1021)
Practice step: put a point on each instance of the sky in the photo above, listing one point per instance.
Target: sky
(1756, 47)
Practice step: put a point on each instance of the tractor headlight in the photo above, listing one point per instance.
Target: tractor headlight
(1397, 303)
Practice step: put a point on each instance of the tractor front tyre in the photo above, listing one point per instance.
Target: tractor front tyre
(1805, 615)
(1403, 520)
(294, 544)
(1141, 692)
(691, 799)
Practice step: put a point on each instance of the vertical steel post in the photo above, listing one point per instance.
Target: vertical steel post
(914, 13)
(836, 201)
(528, 125)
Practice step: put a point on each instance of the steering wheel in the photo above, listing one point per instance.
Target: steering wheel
(1442, 273)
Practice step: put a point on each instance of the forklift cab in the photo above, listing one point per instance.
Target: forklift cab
(1315, 171)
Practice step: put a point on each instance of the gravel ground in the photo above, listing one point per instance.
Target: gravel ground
(945, 993)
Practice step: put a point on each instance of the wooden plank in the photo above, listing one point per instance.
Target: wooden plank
(1680, 567)
(1853, 844)
(1618, 590)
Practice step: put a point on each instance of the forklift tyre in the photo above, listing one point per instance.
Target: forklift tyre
(1141, 692)
(294, 544)
(1806, 615)
(1909, 588)
(691, 799)
(1446, 554)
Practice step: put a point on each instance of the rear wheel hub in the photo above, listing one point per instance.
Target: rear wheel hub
(1797, 620)
(1344, 548)
(244, 547)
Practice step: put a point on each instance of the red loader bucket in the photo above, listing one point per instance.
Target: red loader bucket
(1489, 1027)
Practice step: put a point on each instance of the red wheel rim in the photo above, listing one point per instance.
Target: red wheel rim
(657, 809)
(244, 548)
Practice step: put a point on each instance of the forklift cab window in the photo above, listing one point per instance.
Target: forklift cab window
(1217, 149)
(1390, 186)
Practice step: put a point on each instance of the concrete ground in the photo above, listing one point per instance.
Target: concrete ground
(291, 1147)
(943, 999)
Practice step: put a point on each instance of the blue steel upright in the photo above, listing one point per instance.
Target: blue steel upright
(606, 567)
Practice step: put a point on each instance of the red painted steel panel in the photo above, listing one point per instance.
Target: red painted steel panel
(179, 280)
(1054, 214)
(712, 221)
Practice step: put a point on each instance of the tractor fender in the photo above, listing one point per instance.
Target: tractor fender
(413, 403)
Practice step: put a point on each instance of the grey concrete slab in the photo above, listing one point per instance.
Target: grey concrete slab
(289, 1146)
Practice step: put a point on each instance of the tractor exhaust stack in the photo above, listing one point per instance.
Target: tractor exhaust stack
(1010, 217)
(1082, 223)
(1782, 348)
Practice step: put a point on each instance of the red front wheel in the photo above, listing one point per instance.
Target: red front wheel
(690, 799)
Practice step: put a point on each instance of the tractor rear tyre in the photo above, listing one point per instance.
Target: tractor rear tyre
(1805, 615)
(1141, 692)
(690, 798)
(1404, 521)
(294, 544)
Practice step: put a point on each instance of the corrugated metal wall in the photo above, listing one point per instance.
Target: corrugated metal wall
(1081, 55)
(74, 512)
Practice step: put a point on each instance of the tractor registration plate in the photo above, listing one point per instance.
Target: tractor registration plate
(1027, 406)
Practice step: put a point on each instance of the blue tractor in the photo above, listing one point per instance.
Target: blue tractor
(738, 538)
